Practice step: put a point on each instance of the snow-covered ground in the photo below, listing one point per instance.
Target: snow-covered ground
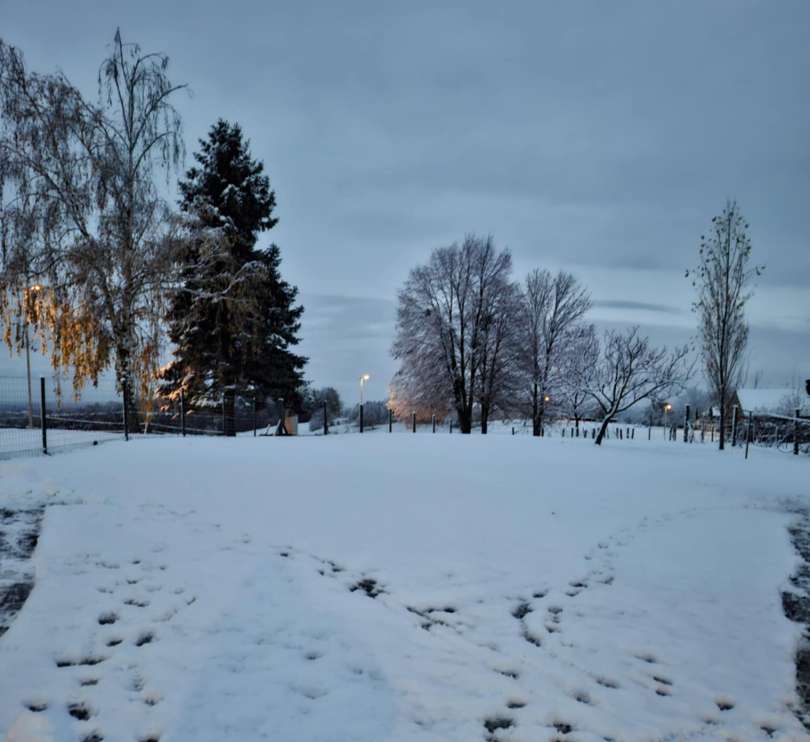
(436, 588)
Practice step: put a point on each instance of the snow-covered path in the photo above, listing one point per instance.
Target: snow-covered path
(404, 588)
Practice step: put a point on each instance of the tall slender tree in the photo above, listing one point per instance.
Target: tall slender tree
(723, 280)
(233, 319)
(80, 181)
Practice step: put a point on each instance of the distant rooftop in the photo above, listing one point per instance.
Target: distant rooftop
(781, 400)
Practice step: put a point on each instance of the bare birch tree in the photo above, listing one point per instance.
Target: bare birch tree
(723, 280)
(103, 233)
(551, 306)
(443, 317)
(630, 370)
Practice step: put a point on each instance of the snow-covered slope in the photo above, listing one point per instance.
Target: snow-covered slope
(400, 588)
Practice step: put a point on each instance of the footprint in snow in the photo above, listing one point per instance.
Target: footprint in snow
(80, 711)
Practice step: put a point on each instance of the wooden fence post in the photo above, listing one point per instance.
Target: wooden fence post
(686, 425)
(734, 413)
(182, 414)
(413, 421)
(325, 421)
(748, 437)
(796, 432)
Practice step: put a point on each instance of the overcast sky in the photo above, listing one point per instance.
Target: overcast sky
(600, 137)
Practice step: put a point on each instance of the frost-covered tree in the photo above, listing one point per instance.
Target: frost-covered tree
(723, 280)
(498, 385)
(631, 370)
(578, 364)
(444, 319)
(233, 319)
(551, 306)
(79, 179)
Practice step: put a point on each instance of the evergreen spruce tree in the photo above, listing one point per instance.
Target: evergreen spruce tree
(233, 319)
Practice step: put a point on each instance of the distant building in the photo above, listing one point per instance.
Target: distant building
(781, 401)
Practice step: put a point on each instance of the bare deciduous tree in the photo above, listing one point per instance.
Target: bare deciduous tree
(551, 306)
(445, 322)
(723, 279)
(630, 370)
(577, 368)
(497, 385)
(102, 233)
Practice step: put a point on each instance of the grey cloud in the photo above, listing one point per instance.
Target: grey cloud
(637, 305)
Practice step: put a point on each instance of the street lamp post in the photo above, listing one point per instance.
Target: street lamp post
(667, 408)
(363, 379)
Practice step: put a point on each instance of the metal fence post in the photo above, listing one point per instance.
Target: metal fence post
(125, 390)
(413, 418)
(433, 420)
(182, 413)
(361, 418)
(686, 425)
(796, 433)
(325, 421)
(43, 420)
(390, 421)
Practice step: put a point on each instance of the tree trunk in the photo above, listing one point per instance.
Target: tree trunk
(484, 420)
(126, 383)
(464, 420)
(602, 430)
(229, 413)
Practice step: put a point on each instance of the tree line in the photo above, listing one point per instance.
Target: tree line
(105, 272)
(473, 342)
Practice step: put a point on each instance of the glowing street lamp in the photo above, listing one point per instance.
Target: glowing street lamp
(363, 379)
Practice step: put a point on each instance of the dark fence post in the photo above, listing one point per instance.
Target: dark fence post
(734, 426)
(433, 420)
(361, 418)
(450, 427)
(686, 425)
(43, 419)
(325, 421)
(413, 418)
(390, 420)
(182, 413)
(748, 437)
(796, 433)
(125, 390)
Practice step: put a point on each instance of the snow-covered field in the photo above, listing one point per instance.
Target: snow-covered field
(372, 588)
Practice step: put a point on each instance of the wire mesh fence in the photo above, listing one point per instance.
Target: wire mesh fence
(41, 415)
